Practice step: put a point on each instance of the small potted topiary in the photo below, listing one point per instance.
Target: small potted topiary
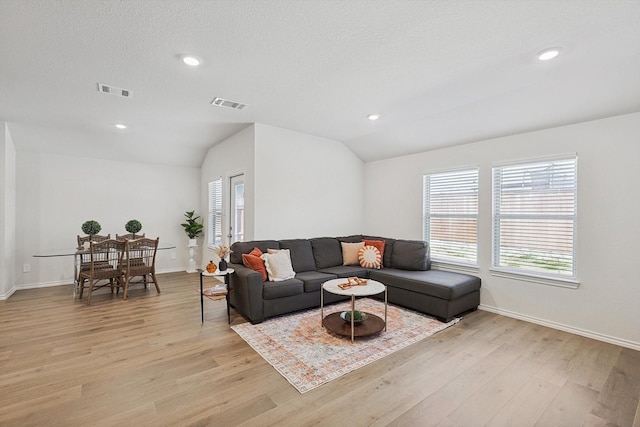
(91, 228)
(133, 226)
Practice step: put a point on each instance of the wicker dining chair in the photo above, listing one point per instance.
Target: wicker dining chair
(129, 236)
(84, 256)
(140, 260)
(95, 237)
(104, 267)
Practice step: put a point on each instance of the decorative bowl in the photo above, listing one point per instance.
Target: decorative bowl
(346, 316)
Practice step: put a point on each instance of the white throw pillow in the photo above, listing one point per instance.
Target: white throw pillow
(278, 265)
(350, 253)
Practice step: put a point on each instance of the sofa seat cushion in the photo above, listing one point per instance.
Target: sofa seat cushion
(285, 288)
(313, 280)
(441, 284)
(301, 254)
(347, 271)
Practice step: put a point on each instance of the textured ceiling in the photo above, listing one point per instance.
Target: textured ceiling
(439, 72)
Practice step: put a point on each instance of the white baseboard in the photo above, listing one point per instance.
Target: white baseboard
(8, 294)
(562, 327)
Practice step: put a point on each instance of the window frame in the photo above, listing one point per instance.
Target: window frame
(498, 191)
(214, 216)
(471, 172)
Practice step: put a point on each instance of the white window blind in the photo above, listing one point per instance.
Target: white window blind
(215, 212)
(451, 215)
(534, 217)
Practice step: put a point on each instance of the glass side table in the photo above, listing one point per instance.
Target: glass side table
(224, 292)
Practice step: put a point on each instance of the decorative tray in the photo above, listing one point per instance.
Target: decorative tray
(352, 281)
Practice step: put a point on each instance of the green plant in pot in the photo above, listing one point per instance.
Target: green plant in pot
(192, 227)
(133, 226)
(91, 227)
(358, 316)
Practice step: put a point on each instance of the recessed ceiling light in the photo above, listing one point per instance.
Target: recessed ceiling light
(192, 61)
(121, 126)
(373, 117)
(548, 54)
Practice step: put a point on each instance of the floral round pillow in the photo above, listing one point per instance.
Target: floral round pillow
(369, 257)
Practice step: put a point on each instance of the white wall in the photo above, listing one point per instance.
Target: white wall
(56, 194)
(296, 185)
(7, 212)
(230, 157)
(607, 303)
(305, 186)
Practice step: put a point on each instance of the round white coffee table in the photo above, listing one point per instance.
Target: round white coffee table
(333, 322)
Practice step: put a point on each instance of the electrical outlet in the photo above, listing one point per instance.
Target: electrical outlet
(26, 268)
(173, 255)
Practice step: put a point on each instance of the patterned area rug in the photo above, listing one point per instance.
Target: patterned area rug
(308, 355)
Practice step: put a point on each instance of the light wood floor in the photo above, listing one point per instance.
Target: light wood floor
(149, 361)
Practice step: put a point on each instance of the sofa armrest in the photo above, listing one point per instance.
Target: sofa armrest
(246, 297)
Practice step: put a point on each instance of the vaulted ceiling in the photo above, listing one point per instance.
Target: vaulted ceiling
(439, 73)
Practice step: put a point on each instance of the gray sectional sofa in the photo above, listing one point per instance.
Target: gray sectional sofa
(406, 270)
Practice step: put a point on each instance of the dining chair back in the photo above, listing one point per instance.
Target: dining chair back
(140, 260)
(95, 237)
(129, 236)
(84, 254)
(105, 261)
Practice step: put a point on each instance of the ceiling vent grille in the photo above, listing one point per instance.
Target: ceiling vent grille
(114, 90)
(229, 104)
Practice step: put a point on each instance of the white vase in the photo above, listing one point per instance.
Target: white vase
(193, 242)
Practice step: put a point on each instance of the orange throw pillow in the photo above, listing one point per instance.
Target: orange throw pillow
(379, 244)
(254, 262)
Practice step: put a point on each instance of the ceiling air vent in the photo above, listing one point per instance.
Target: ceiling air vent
(114, 90)
(226, 103)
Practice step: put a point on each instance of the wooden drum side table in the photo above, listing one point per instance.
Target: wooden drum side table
(217, 273)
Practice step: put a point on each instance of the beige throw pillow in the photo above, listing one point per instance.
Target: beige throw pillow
(350, 253)
(278, 265)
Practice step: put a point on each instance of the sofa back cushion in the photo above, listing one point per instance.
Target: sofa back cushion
(326, 252)
(301, 254)
(410, 255)
(354, 238)
(239, 248)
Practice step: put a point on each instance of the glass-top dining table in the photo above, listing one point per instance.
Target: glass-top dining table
(77, 255)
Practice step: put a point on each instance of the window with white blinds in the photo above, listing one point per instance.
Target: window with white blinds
(215, 212)
(451, 215)
(534, 217)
